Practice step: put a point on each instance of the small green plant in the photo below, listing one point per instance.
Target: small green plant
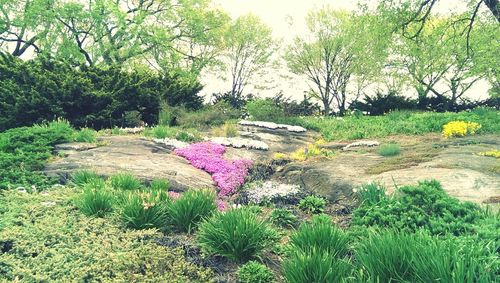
(371, 193)
(82, 177)
(143, 210)
(125, 181)
(237, 234)
(116, 131)
(161, 132)
(312, 204)
(191, 208)
(159, 184)
(96, 199)
(283, 218)
(265, 110)
(389, 149)
(85, 135)
(254, 272)
(186, 136)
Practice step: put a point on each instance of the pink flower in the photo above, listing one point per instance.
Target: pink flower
(222, 205)
(228, 175)
(174, 195)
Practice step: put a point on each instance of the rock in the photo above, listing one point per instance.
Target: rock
(273, 126)
(143, 158)
(48, 203)
(333, 145)
(269, 190)
(74, 146)
(240, 143)
(171, 143)
(361, 144)
(135, 130)
(22, 190)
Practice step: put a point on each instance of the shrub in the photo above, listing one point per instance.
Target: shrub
(210, 115)
(460, 129)
(161, 132)
(82, 177)
(265, 110)
(125, 181)
(316, 266)
(132, 119)
(188, 136)
(390, 149)
(85, 135)
(283, 217)
(96, 199)
(237, 234)
(143, 210)
(371, 194)
(394, 256)
(159, 184)
(320, 235)
(384, 103)
(424, 206)
(312, 204)
(229, 130)
(191, 208)
(254, 272)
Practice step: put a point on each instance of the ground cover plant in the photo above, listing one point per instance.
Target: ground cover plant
(191, 208)
(389, 149)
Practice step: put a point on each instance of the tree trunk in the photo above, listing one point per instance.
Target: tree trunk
(326, 106)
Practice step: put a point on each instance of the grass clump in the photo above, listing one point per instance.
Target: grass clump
(96, 199)
(161, 132)
(144, 210)
(191, 208)
(125, 181)
(254, 272)
(283, 217)
(82, 177)
(315, 267)
(85, 135)
(371, 194)
(390, 149)
(312, 204)
(159, 184)
(237, 234)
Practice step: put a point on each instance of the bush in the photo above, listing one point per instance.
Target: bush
(254, 272)
(144, 210)
(237, 234)
(424, 206)
(161, 132)
(191, 208)
(82, 177)
(210, 115)
(390, 149)
(283, 217)
(394, 256)
(96, 199)
(371, 194)
(312, 204)
(24, 152)
(85, 135)
(159, 184)
(460, 129)
(125, 181)
(265, 110)
(384, 103)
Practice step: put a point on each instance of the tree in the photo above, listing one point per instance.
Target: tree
(249, 47)
(341, 57)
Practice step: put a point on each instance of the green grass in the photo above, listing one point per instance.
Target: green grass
(191, 208)
(85, 135)
(389, 149)
(82, 177)
(398, 122)
(125, 181)
(143, 210)
(96, 199)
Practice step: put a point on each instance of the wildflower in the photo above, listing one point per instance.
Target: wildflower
(174, 195)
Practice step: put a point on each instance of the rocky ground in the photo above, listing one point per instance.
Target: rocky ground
(454, 163)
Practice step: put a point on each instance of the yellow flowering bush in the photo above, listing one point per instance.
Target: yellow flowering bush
(460, 129)
(304, 153)
(491, 153)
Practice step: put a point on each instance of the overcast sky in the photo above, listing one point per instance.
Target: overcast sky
(275, 13)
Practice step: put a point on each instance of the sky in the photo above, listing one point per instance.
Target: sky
(276, 14)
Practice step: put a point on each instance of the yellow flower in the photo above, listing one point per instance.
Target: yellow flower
(460, 129)
(491, 153)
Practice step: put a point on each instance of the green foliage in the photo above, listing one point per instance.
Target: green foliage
(414, 123)
(191, 208)
(237, 234)
(24, 152)
(312, 204)
(265, 110)
(161, 132)
(425, 206)
(125, 181)
(371, 194)
(283, 217)
(159, 184)
(144, 210)
(96, 199)
(390, 149)
(85, 135)
(210, 115)
(82, 177)
(48, 241)
(254, 272)
(400, 257)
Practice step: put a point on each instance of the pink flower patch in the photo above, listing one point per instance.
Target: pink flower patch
(174, 195)
(228, 175)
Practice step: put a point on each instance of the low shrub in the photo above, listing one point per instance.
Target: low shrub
(82, 177)
(96, 199)
(210, 115)
(283, 217)
(390, 149)
(161, 132)
(392, 256)
(237, 234)
(144, 210)
(191, 208)
(254, 272)
(229, 130)
(460, 129)
(371, 194)
(125, 181)
(312, 204)
(265, 110)
(159, 184)
(85, 135)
